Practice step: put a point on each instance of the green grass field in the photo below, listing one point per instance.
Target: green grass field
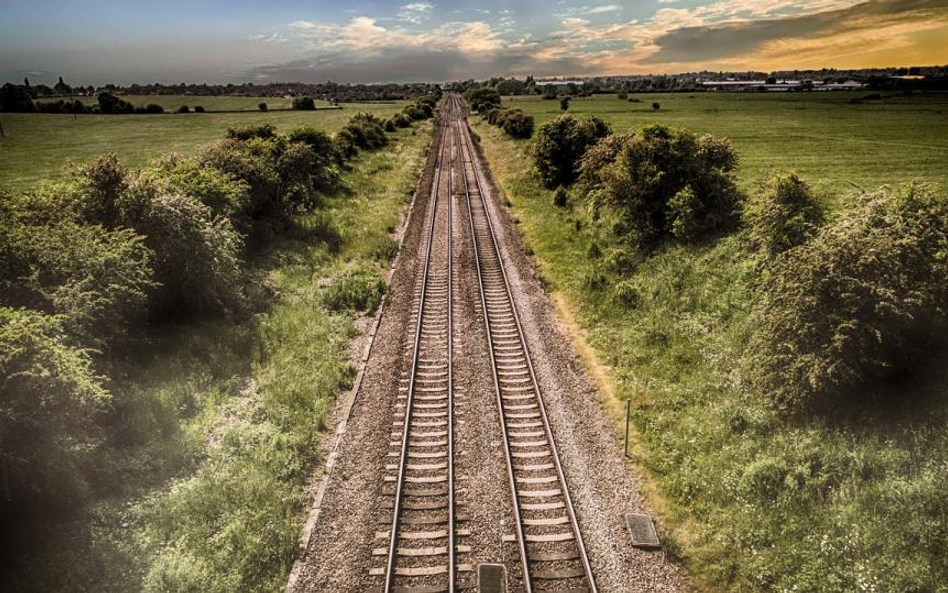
(751, 501)
(822, 136)
(39, 147)
(209, 103)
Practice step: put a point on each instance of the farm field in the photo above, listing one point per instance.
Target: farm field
(750, 500)
(208, 102)
(822, 136)
(39, 146)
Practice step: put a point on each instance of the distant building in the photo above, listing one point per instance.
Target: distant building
(779, 85)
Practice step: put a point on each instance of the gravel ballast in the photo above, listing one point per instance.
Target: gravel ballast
(339, 554)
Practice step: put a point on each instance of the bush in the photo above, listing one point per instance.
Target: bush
(401, 120)
(783, 214)
(517, 123)
(198, 109)
(51, 397)
(196, 254)
(359, 288)
(257, 172)
(482, 100)
(561, 143)
(664, 183)
(304, 103)
(363, 131)
(656, 106)
(154, 108)
(863, 301)
(195, 257)
(223, 194)
(184, 109)
(252, 131)
(564, 104)
(262, 107)
(599, 155)
(416, 112)
(109, 103)
(325, 172)
(296, 166)
(389, 125)
(95, 280)
(622, 96)
(346, 144)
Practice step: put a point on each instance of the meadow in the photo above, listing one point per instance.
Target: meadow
(39, 147)
(750, 500)
(823, 136)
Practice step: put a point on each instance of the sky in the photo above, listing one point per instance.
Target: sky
(102, 41)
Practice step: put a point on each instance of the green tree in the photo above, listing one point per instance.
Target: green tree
(559, 145)
(782, 215)
(304, 103)
(482, 100)
(663, 183)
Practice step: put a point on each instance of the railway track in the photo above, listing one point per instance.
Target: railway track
(423, 525)
(552, 552)
(421, 551)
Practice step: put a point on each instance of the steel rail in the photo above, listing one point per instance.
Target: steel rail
(467, 145)
(452, 551)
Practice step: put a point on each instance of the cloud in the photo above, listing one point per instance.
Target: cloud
(411, 65)
(569, 11)
(416, 12)
(605, 8)
(735, 37)
(723, 34)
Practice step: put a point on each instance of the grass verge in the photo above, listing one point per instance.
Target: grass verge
(225, 419)
(752, 502)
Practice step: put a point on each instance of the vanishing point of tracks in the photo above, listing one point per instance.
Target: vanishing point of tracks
(421, 548)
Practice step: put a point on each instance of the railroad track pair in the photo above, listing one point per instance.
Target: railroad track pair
(425, 549)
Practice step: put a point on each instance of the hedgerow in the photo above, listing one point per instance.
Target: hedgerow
(860, 302)
(93, 268)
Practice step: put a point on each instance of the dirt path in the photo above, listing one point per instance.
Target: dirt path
(357, 501)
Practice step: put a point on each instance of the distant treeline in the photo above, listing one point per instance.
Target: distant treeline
(927, 78)
(325, 91)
